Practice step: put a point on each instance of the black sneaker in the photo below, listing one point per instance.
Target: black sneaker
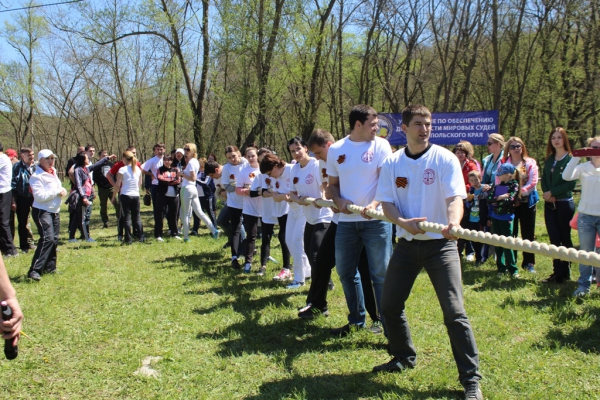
(50, 271)
(105, 225)
(235, 264)
(472, 391)
(34, 275)
(11, 254)
(310, 312)
(394, 365)
(344, 330)
(226, 245)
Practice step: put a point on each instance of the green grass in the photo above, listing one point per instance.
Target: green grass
(223, 335)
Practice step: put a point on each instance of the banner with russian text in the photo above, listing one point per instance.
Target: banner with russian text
(448, 128)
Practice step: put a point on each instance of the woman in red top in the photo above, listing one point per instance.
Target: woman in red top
(464, 152)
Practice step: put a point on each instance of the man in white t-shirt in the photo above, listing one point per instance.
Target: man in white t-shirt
(7, 246)
(353, 165)
(424, 182)
(150, 168)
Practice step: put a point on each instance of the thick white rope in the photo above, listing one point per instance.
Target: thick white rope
(552, 251)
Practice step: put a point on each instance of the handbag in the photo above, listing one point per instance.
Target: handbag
(147, 199)
(534, 197)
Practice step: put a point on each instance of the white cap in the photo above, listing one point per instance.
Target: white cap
(45, 154)
(179, 151)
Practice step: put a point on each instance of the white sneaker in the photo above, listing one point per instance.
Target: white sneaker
(177, 237)
(159, 239)
(471, 257)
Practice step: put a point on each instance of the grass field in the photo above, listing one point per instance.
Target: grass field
(223, 335)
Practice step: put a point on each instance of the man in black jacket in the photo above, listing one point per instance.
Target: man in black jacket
(22, 199)
(105, 189)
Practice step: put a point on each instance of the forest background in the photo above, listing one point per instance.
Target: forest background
(220, 72)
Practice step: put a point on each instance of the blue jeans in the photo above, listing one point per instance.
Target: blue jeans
(349, 241)
(588, 226)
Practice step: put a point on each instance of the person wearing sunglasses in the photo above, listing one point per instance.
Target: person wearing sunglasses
(559, 206)
(489, 166)
(588, 223)
(47, 192)
(516, 153)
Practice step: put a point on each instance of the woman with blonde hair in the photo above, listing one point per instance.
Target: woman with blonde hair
(189, 193)
(129, 180)
(516, 153)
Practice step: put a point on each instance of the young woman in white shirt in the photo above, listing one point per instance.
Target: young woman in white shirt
(129, 180)
(271, 164)
(307, 182)
(189, 193)
(251, 209)
(235, 203)
(296, 221)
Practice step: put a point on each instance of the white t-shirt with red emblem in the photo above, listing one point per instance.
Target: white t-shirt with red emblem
(307, 182)
(267, 204)
(231, 174)
(283, 185)
(280, 208)
(252, 205)
(356, 165)
(419, 188)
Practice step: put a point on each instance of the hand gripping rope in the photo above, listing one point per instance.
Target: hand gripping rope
(552, 251)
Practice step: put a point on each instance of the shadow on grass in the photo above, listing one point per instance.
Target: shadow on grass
(342, 386)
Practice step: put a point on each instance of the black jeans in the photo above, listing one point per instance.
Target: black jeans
(6, 238)
(314, 241)
(130, 209)
(557, 217)
(251, 227)
(236, 223)
(48, 224)
(285, 252)
(24, 205)
(78, 221)
(525, 216)
(170, 204)
(441, 262)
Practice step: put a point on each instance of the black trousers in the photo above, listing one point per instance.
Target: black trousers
(525, 216)
(557, 217)
(285, 252)
(24, 205)
(130, 209)
(6, 239)
(170, 204)
(251, 227)
(235, 214)
(314, 241)
(78, 220)
(48, 224)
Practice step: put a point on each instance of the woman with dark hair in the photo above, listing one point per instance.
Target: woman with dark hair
(235, 203)
(558, 197)
(84, 190)
(252, 205)
(280, 210)
(515, 153)
(296, 221)
(129, 181)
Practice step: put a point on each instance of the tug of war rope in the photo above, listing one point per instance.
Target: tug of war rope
(552, 251)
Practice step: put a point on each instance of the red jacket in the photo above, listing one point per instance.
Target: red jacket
(467, 167)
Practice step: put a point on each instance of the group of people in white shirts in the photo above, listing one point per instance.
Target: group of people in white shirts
(420, 182)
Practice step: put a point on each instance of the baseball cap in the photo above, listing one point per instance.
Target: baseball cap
(45, 154)
(506, 168)
(179, 151)
(11, 153)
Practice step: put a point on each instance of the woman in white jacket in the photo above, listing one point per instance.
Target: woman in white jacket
(47, 195)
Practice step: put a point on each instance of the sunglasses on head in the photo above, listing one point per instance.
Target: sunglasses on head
(514, 146)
